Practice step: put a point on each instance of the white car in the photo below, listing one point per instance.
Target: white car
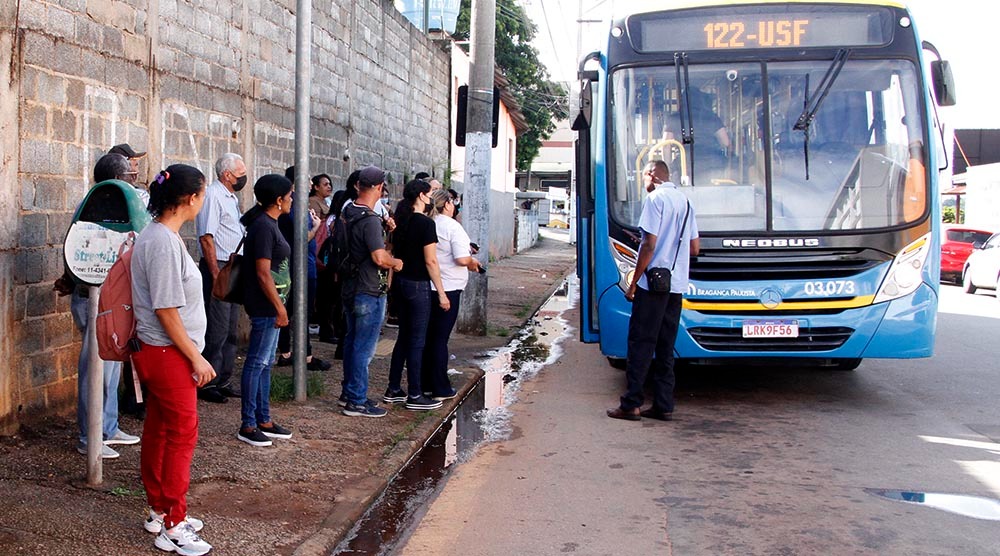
(982, 269)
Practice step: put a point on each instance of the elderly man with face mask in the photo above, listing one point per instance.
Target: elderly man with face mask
(219, 235)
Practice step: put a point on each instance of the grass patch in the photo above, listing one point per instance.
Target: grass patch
(406, 432)
(494, 330)
(283, 387)
(125, 491)
(524, 311)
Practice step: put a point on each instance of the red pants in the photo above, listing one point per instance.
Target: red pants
(171, 429)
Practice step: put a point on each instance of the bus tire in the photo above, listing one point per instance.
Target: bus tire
(846, 364)
(967, 285)
(617, 362)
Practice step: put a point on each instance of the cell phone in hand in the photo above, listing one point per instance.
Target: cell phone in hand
(482, 269)
(474, 246)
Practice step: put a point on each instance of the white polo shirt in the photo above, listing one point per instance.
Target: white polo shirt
(220, 218)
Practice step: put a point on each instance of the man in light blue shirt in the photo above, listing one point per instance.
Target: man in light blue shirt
(219, 235)
(669, 239)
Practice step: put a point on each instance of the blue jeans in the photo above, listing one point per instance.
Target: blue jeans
(112, 376)
(256, 379)
(364, 323)
(414, 299)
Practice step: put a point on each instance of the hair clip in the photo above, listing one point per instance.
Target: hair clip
(162, 177)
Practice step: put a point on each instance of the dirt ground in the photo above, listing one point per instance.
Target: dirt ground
(299, 496)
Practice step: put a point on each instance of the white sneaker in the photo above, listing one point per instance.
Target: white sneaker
(154, 522)
(183, 540)
(121, 437)
(106, 451)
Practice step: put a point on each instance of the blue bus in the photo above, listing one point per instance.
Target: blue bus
(806, 136)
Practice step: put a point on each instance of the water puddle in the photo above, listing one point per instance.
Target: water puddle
(483, 416)
(977, 507)
(536, 346)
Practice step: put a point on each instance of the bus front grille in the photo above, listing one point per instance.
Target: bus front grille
(809, 339)
(720, 266)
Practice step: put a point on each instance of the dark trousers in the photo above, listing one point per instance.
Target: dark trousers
(330, 306)
(652, 330)
(222, 334)
(414, 299)
(285, 335)
(435, 369)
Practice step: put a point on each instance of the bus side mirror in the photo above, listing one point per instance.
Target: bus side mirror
(943, 82)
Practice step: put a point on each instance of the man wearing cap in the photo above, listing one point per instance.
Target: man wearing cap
(133, 157)
(364, 291)
(219, 235)
(108, 167)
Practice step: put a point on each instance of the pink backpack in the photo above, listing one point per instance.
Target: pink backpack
(115, 314)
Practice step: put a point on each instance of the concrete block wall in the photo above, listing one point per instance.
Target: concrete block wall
(185, 80)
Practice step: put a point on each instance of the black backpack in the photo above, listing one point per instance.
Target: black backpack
(338, 247)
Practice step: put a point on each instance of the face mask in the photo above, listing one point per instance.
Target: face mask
(241, 182)
(328, 200)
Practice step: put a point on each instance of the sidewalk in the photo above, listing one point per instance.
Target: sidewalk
(299, 496)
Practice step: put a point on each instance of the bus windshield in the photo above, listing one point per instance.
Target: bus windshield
(858, 164)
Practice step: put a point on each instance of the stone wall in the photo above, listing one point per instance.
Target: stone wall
(186, 80)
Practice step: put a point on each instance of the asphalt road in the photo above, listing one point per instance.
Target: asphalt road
(757, 461)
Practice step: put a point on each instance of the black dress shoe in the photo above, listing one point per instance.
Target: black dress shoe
(317, 364)
(211, 395)
(625, 414)
(228, 391)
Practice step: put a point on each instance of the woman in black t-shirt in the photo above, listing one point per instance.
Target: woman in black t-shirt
(415, 242)
(266, 281)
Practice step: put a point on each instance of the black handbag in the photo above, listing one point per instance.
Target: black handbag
(228, 285)
(658, 278)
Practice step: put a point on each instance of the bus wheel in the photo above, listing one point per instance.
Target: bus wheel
(845, 364)
(967, 285)
(617, 362)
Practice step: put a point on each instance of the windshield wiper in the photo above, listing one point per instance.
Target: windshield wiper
(811, 104)
(684, 110)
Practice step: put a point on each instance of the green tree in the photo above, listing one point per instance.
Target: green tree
(542, 101)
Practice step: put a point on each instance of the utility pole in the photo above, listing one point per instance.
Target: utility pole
(478, 155)
(303, 61)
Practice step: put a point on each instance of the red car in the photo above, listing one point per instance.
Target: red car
(956, 246)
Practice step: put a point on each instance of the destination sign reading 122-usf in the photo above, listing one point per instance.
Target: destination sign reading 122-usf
(701, 30)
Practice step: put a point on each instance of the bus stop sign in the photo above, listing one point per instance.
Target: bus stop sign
(110, 211)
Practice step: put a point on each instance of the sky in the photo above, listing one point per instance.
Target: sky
(964, 32)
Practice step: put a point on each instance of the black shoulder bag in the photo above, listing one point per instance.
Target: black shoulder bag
(658, 278)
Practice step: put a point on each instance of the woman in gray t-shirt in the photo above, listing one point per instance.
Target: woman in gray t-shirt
(170, 325)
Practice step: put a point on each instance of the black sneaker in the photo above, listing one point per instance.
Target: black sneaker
(253, 438)
(394, 396)
(342, 401)
(446, 396)
(275, 431)
(212, 395)
(317, 364)
(354, 410)
(423, 403)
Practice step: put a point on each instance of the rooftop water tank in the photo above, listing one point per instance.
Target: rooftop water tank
(443, 14)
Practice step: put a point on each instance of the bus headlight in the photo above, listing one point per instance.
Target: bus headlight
(625, 259)
(906, 272)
